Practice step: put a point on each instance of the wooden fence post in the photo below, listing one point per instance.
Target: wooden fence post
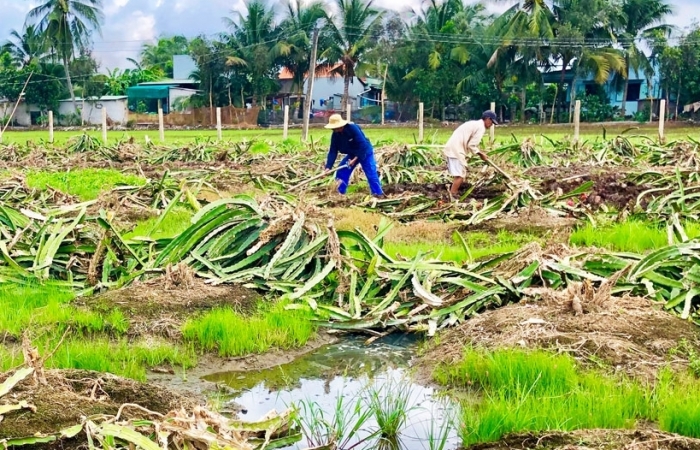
(577, 121)
(492, 130)
(51, 127)
(421, 111)
(104, 124)
(662, 120)
(161, 127)
(218, 124)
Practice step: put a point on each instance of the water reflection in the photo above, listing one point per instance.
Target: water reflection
(333, 386)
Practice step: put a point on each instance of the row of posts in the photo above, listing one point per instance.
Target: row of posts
(285, 130)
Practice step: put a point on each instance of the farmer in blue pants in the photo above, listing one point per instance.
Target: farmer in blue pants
(349, 140)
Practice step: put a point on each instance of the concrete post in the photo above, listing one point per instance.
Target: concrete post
(218, 123)
(662, 120)
(285, 130)
(577, 121)
(348, 111)
(104, 124)
(492, 130)
(51, 127)
(421, 112)
(161, 127)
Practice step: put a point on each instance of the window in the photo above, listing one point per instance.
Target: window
(591, 89)
(634, 91)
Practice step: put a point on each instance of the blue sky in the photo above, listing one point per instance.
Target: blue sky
(131, 23)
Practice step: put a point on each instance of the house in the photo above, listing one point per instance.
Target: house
(91, 109)
(164, 91)
(145, 97)
(25, 115)
(328, 90)
(640, 91)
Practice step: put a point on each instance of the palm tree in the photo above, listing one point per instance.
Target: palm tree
(26, 47)
(252, 42)
(66, 26)
(350, 36)
(640, 22)
(160, 55)
(297, 28)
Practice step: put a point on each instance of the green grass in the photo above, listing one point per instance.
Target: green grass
(47, 308)
(532, 391)
(631, 236)
(479, 245)
(124, 358)
(45, 311)
(233, 334)
(174, 223)
(374, 132)
(86, 184)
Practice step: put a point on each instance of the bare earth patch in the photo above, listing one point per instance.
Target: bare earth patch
(643, 439)
(70, 395)
(629, 335)
(161, 306)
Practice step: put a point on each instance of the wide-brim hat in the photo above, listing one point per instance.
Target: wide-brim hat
(336, 121)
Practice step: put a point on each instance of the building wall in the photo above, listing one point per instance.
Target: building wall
(183, 66)
(332, 88)
(21, 116)
(117, 110)
(175, 93)
(615, 96)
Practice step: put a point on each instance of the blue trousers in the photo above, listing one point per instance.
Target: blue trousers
(369, 166)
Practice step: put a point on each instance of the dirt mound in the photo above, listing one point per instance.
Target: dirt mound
(440, 191)
(160, 306)
(610, 187)
(70, 395)
(628, 335)
(593, 439)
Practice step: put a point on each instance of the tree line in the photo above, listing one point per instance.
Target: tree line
(446, 53)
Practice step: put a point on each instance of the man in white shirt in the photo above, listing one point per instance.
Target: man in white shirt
(466, 138)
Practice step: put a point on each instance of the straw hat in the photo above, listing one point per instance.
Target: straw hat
(336, 121)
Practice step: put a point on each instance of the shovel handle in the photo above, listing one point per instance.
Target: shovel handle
(314, 178)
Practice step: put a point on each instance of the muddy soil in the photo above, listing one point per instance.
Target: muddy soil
(209, 364)
(642, 439)
(70, 395)
(160, 306)
(628, 335)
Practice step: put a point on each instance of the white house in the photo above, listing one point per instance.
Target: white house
(328, 90)
(23, 114)
(116, 106)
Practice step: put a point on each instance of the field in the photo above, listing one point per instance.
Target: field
(565, 277)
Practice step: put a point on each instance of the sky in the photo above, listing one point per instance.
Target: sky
(128, 24)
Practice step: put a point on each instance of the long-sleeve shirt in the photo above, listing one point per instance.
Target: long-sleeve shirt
(351, 141)
(466, 137)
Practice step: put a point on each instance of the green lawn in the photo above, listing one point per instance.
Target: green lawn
(437, 135)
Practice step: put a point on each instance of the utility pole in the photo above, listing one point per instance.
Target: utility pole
(310, 87)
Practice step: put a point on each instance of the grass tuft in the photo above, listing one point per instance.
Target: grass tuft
(174, 223)
(532, 391)
(631, 236)
(86, 184)
(233, 334)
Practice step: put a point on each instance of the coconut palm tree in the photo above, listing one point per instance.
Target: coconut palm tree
(296, 30)
(350, 36)
(66, 26)
(639, 22)
(160, 55)
(255, 46)
(26, 46)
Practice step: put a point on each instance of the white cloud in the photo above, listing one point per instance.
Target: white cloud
(124, 38)
(114, 6)
(129, 24)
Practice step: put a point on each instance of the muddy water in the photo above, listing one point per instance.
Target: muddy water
(349, 371)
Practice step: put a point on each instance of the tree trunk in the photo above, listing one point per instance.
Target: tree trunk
(211, 102)
(558, 104)
(69, 83)
(573, 94)
(624, 89)
(230, 100)
(346, 94)
(300, 94)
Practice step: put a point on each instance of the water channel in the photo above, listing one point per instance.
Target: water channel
(336, 382)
